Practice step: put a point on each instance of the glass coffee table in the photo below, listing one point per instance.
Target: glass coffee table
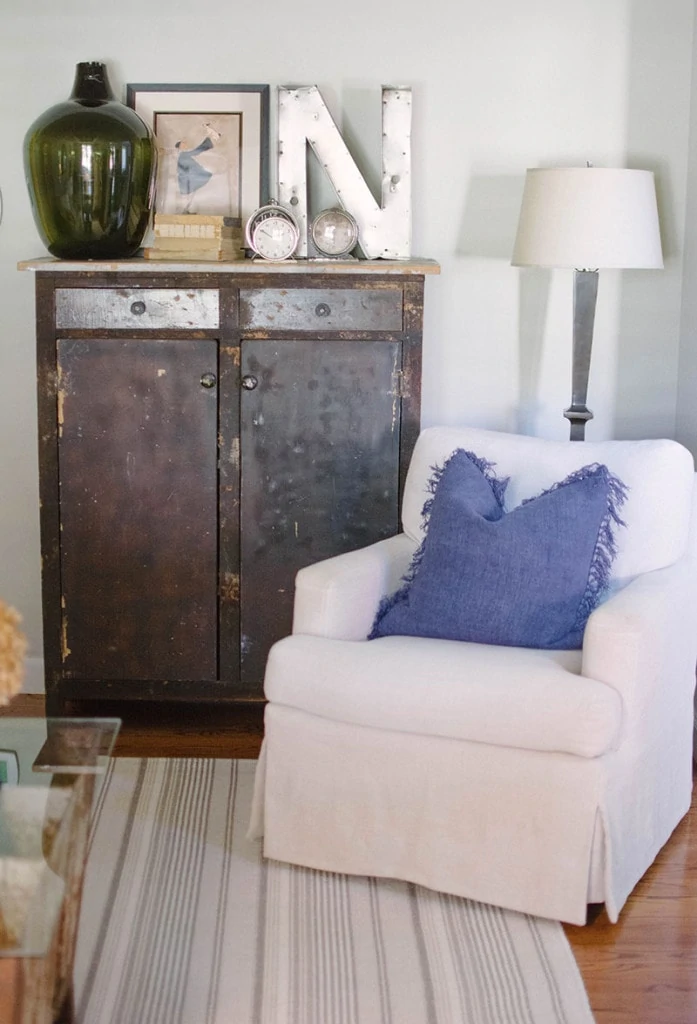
(49, 769)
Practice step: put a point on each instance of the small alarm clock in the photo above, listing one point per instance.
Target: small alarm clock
(272, 232)
(334, 233)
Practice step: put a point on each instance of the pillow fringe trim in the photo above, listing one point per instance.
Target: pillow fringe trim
(498, 486)
(599, 573)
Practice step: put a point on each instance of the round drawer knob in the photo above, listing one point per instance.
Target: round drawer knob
(322, 309)
(137, 308)
(249, 382)
(208, 380)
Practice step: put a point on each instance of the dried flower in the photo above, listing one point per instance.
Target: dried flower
(13, 646)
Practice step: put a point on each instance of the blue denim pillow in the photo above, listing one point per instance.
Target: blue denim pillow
(525, 578)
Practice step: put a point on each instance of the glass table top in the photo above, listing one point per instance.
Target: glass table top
(41, 761)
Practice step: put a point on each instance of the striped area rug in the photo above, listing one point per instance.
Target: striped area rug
(183, 922)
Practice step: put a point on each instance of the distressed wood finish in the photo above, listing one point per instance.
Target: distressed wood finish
(229, 492)
(39, 989)
(243, 269)
(411, 374)
(320, 469)
(356, 308)
(138, 509)
(137, 308)
(174, 517)
(10, 990)
(49, 487)
(47, 982)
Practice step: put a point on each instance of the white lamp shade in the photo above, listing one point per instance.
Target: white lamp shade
(588, 218)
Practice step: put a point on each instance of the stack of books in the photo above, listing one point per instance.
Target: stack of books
(193, 237)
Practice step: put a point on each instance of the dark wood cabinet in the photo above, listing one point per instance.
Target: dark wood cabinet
(204, 433)
(137, 457)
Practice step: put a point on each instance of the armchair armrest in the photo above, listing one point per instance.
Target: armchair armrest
(339, 596)
(643, 642)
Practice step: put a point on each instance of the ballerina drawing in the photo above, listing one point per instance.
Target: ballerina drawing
(191, 175)
(199, 163)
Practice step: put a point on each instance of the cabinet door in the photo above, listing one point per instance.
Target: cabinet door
(320, 469)
(138, 508)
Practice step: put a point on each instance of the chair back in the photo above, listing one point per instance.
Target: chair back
(658, 474)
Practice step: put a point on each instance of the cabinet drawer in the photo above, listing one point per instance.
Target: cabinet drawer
(138, 308)
(321, 309)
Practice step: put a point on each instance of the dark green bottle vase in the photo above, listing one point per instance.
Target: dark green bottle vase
(90, 168)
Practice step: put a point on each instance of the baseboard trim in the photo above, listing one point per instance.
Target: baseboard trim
(33, 676)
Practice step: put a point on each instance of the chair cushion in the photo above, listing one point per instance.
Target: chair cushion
(526, 578)
(533, 700)
(658, 474)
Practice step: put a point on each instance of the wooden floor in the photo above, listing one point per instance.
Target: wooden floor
(642, 970)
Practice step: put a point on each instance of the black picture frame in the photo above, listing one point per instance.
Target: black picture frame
(213, 146)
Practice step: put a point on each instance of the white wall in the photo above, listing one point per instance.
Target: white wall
(498, 86)
(686, 426)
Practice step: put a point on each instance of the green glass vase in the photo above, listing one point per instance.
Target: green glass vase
(90, 167)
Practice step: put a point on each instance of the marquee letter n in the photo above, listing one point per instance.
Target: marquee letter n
(384, 230)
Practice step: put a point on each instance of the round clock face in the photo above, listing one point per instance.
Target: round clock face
(272, 233)
(334, 232)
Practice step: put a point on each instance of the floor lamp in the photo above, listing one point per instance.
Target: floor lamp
(587, 218)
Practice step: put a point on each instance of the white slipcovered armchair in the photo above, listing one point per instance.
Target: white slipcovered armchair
(539, 781)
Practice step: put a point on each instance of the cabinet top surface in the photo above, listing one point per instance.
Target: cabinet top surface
(140, 265)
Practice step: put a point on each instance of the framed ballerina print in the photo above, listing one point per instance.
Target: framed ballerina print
(212, 146)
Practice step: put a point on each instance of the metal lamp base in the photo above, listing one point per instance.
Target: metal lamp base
(585, 296)
(578, 416)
